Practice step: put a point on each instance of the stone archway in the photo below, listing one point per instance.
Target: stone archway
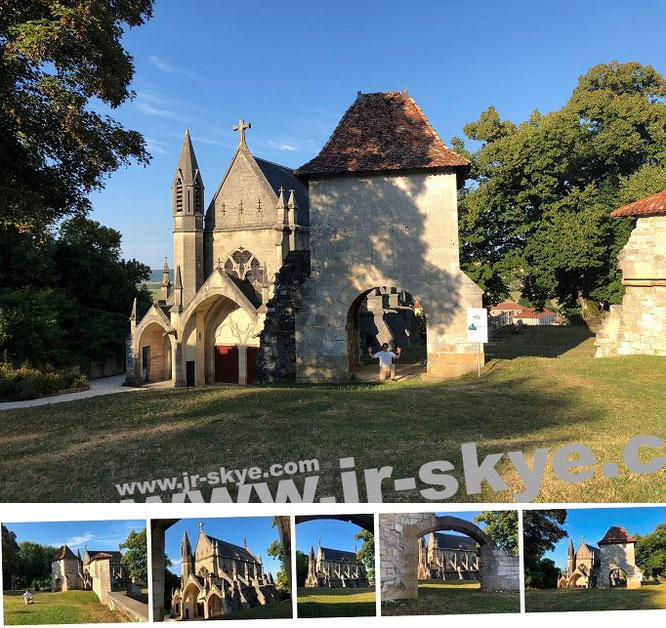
(367, 522)
(399, 535)
(154, 353)
(386, 314)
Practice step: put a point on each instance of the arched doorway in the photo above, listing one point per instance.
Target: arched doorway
(617, 578)
(214, 605)
(391, 315)
(57, 585)
(154, 354)
(190, 605)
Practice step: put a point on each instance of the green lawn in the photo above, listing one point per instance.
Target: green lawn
(325, 602)
(68, 607)
(453, 597)
(277, 610)
(555, 600)
(78, 451)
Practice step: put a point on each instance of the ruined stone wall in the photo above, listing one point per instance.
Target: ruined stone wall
(383, 230)
(277, 352)
(500, 571)
(638, 326)
(619, 556)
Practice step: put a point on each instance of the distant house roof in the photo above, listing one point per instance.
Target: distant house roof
(339, 555)
(654, 205)
(617, 534)
(229, 550)
(383, 132)
(64, 553)
(454, 541)
(97, 554)
(530, 312)
(508, 306)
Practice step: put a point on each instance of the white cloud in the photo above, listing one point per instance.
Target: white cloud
(167, 68)
(281, 146)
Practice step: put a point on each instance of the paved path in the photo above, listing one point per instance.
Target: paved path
(102, 386)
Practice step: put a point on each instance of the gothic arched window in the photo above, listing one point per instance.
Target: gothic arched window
(179, 195)
(244, 265)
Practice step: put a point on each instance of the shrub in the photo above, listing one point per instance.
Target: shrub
(27, 383)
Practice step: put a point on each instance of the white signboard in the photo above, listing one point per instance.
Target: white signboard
(477, 324)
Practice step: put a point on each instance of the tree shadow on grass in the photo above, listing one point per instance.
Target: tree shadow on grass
(543, 341)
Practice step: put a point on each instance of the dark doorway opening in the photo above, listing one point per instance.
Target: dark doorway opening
(189, 373)
(252, 355)
(226, 364)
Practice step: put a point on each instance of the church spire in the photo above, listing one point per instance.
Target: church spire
(166, 281)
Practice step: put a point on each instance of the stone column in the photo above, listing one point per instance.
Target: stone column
(200, 339)
(242, 364)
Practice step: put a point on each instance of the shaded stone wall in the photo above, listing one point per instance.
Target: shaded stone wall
(384, 230)
(277, 351)
(638, 326)
(619, 556)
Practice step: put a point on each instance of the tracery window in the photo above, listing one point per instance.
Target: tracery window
(244, 265)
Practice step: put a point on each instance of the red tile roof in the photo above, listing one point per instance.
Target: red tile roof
(383, 132)
(64, 553)
(617, 534)
(654, 205)
(507, 305)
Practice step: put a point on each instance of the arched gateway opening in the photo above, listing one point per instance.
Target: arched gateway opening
(154, 354)
(617, 578)
(391, 315)
(471, 554)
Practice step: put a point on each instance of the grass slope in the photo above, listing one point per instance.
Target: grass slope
(325, 602)
(453, 597)
(557, 600)
(281, 610)
(68, 607)
(78, 451)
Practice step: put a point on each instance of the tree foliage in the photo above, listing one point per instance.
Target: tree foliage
(301, 568)
(542, 529)
(501, 527)
(282, 580)
(651, 552)
(66, 298)
(57, 59)
(10, 557)
(366, 554)
(541, 192)
(135, 559)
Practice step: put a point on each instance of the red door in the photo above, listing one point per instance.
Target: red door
(252, 354)
(226, 364)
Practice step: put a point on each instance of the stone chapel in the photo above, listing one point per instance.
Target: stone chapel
(219, 578)
(292, 274)
(448, 557)
(335, 568)
(70, 571)
(611, 564)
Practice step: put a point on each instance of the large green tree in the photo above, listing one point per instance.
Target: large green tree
(282, 579)
(301, 568)
(502, 527)
(651, 552)
(34, 562)
(542, 529)
(135, 559)
(58, 60)
(10, 557)
(538, 205)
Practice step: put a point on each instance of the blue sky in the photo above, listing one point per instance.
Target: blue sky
(591, 524)
(332, 533)
(259, 532)
(292, 68)
(96, 535)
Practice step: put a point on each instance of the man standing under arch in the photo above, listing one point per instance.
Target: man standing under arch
(386, 357)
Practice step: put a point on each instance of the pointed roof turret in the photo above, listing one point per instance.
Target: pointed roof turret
(133, 314)
(187, 161)
(185, 547)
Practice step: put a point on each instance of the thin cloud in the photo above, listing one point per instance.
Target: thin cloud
(283, 146)
(167, 68)
(146, 107)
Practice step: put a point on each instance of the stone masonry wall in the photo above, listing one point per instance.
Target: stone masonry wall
(277, 350)
(638, 326)
(500, 571)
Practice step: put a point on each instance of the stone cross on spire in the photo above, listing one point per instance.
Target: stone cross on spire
(240, 127)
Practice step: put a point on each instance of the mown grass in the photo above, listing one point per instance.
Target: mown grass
(342, 602)
(436, 597)
(79, 451)
(649, 596)
(276, 610)
(67, 607)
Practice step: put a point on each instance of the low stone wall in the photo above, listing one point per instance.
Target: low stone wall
(500, 571)
(131, 608)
